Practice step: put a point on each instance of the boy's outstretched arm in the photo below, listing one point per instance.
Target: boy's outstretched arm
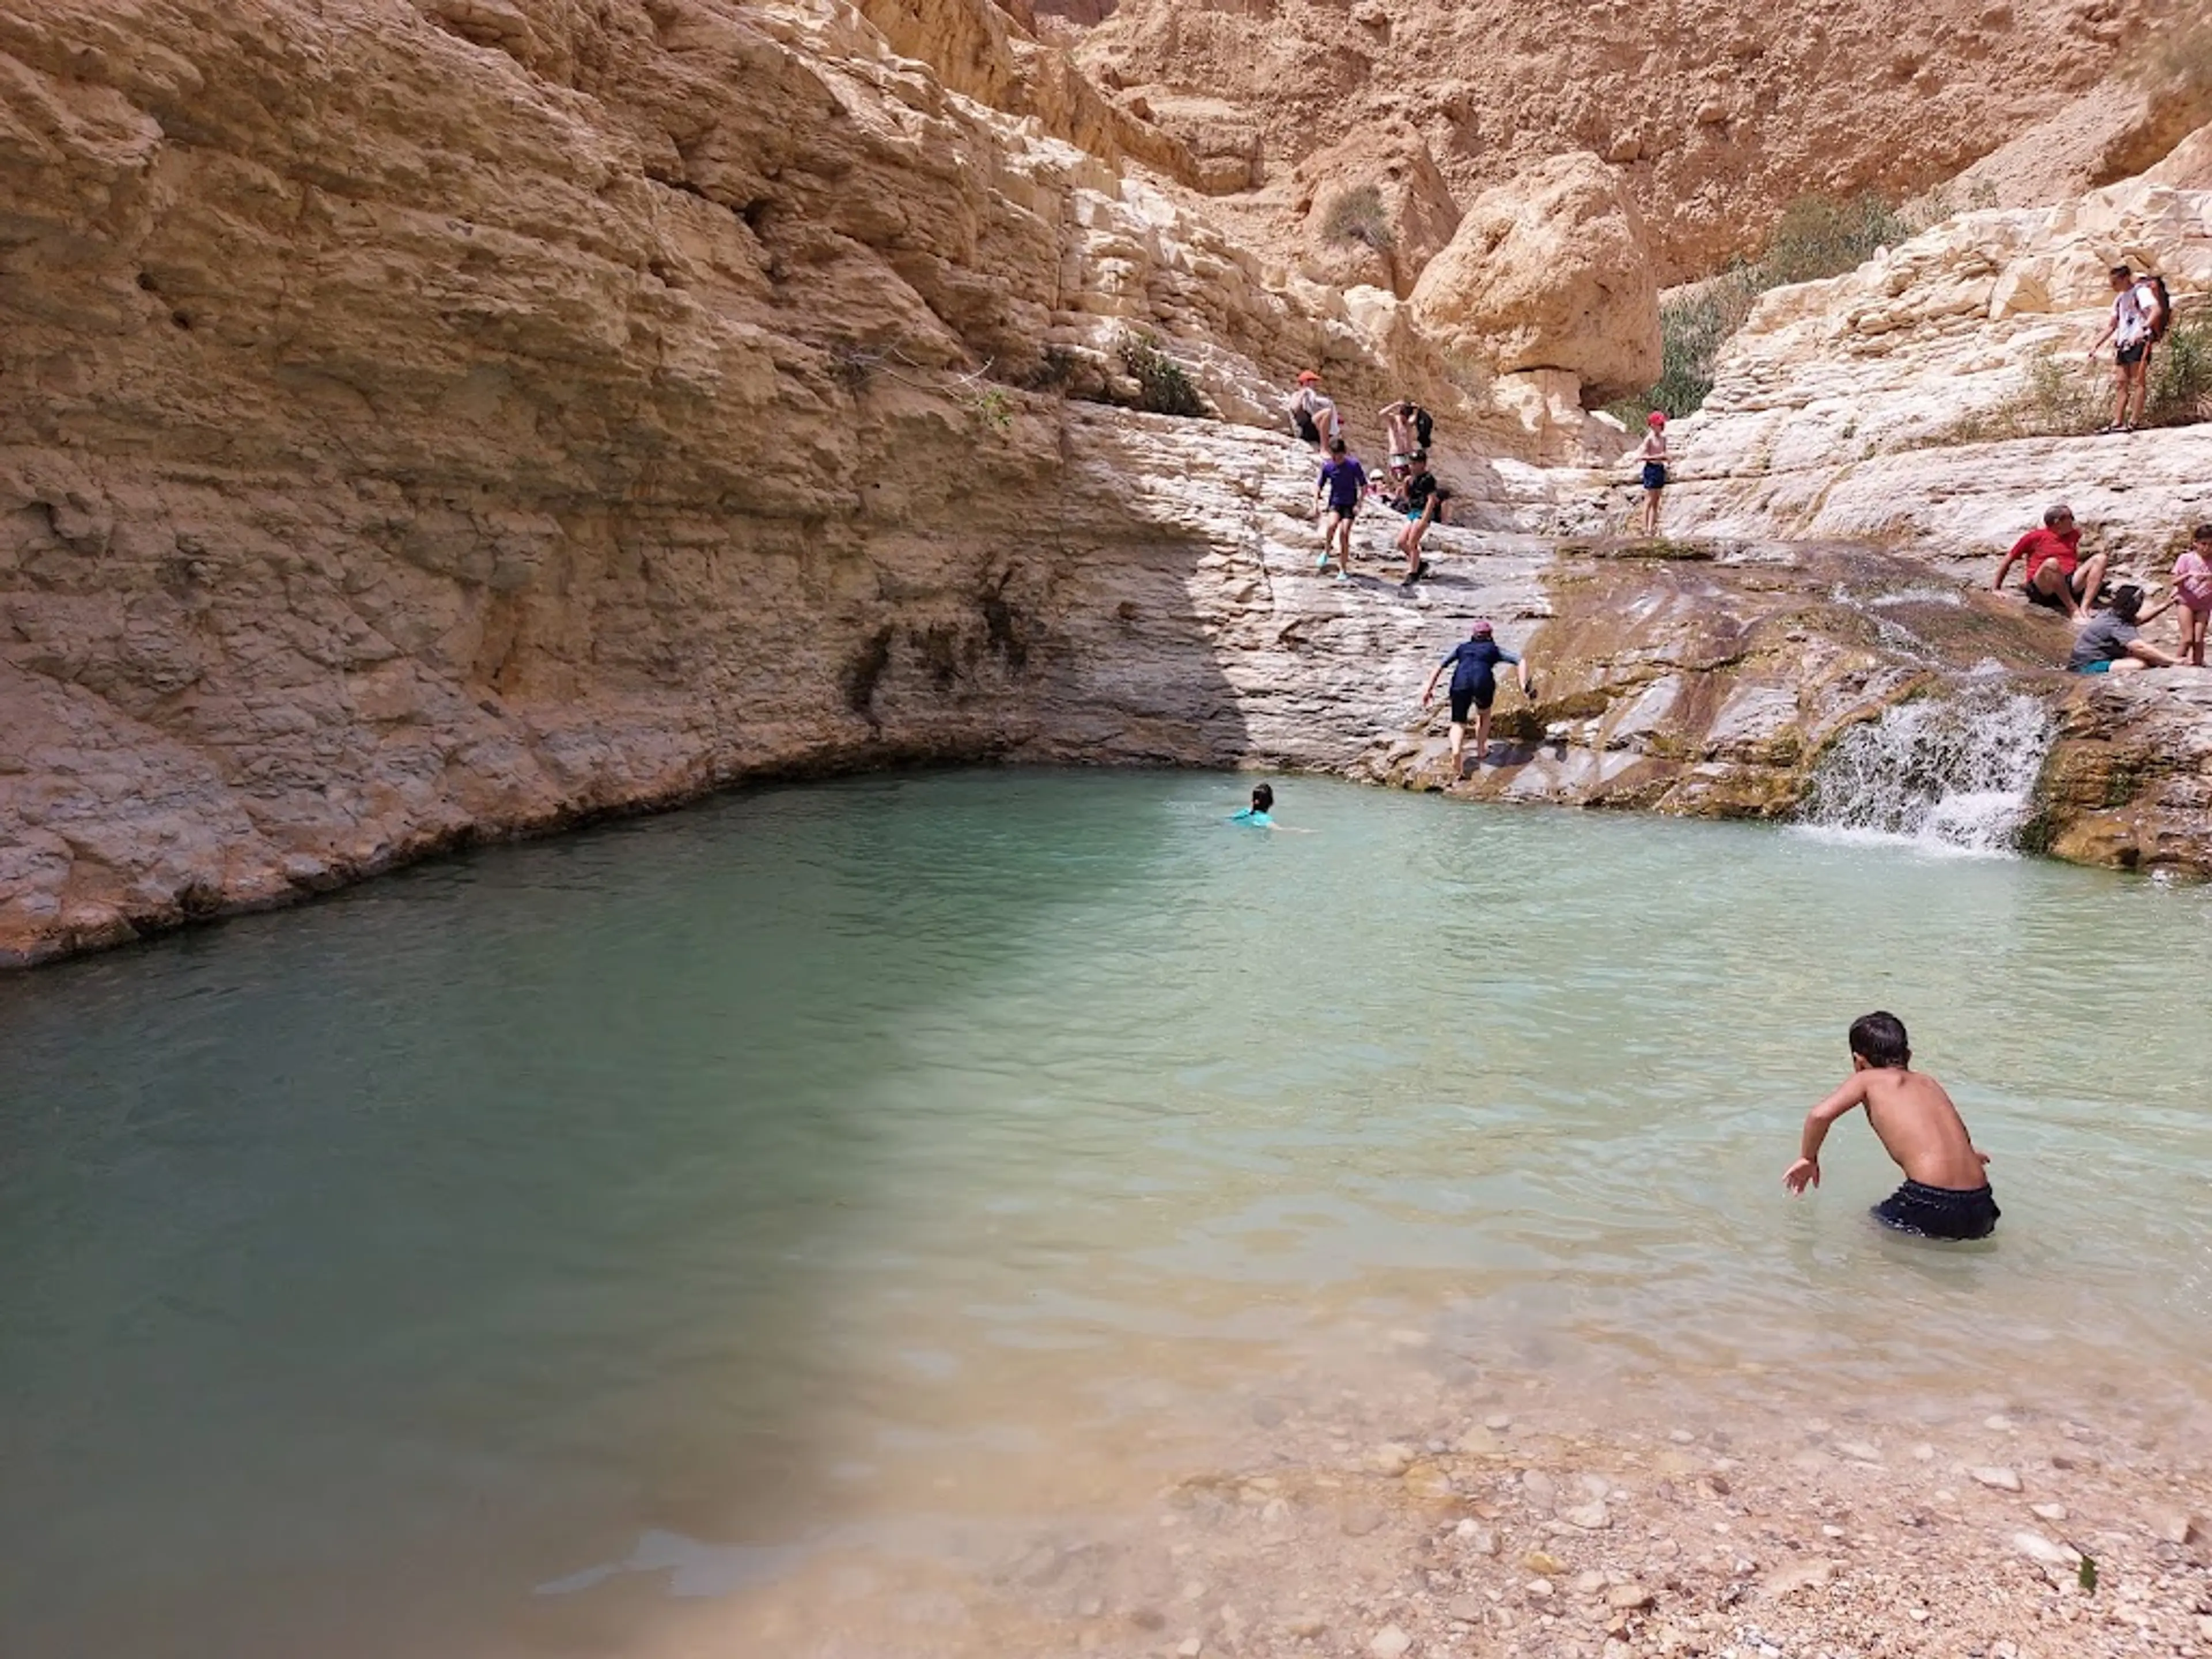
(1806, 1171)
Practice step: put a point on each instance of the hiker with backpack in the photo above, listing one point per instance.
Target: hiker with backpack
(1313, 412)
(2140, 312)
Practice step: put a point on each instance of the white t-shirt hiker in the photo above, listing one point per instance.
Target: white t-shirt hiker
(2135, 312)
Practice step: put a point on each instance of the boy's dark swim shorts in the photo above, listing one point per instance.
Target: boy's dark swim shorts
(1940, 1212)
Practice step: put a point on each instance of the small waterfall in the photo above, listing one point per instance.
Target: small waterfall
(1949, 774)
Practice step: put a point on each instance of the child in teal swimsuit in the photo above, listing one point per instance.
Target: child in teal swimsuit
(1256, 815)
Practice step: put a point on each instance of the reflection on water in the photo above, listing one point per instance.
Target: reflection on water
(476, 1261)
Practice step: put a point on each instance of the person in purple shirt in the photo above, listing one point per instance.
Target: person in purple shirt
(1336, 503)
(1474, 663)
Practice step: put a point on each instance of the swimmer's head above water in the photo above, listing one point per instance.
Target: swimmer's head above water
(1263, 798)
(1878, 1039)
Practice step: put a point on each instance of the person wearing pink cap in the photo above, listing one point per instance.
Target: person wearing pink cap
(1653, 453)
(1473, 664)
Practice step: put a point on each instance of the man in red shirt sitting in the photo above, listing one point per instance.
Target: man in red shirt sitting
(2057, 575)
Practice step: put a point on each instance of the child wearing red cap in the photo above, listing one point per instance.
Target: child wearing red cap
(1653, 454)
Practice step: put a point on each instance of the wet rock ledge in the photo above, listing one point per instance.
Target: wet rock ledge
(278, 716)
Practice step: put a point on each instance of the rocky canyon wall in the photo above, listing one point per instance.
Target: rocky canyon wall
(431, 421)
(1716, 114)
(1921, 400)
(426, 422)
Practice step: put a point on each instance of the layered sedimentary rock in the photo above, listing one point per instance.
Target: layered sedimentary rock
(1717, 114)
(430, 423)
(1376, 209)
(1887, 403)
(426, 422)
(1550, 271)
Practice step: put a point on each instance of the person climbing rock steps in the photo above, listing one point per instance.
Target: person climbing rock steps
(1473, 664)
(1313, 414)
(1336, 498)
(1406, 422)
(1425, 499)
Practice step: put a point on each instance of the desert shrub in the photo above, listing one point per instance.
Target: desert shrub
(1816, 236)
(992, 405)
(2067, 397)
(1691, 330)
(1164, 386)
(1057, 370)
(2181, 372)
(1821, 236)
(1357, 215)
(852, 367)
(2178, 60)
(2059, 397)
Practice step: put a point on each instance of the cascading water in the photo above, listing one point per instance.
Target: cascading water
(1946, 774)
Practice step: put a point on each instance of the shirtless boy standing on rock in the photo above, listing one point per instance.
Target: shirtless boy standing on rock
(1946, 1193)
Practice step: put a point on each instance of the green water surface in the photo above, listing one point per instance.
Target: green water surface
(371, 1267)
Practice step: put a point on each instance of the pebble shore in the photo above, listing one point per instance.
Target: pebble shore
(1430, 1525)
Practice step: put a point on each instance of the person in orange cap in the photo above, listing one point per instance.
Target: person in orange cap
(1313, 413)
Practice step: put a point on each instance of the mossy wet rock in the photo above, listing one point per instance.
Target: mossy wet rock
(2129, 781)
(1710, 688)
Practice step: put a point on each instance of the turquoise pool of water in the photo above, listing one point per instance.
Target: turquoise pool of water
(838, 1155)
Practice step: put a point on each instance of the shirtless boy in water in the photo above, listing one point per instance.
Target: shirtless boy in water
(1946, 1193)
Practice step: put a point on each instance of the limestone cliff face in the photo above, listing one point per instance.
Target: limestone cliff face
(1883, 405)
(1716, 112)
(439, 420)
(434, 421)
(1873, 407)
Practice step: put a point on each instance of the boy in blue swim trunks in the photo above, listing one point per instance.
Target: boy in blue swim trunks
(1946, 1193)
(1652, 453)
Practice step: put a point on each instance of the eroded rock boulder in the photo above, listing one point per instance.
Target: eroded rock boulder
(1376, 209)
(1551, 271)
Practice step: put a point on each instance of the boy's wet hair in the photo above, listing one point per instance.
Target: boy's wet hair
(1263, 797)
(2202, 534)
(2055, 516)
(1879, 1039)
(2126, 602)
(1336, 445)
